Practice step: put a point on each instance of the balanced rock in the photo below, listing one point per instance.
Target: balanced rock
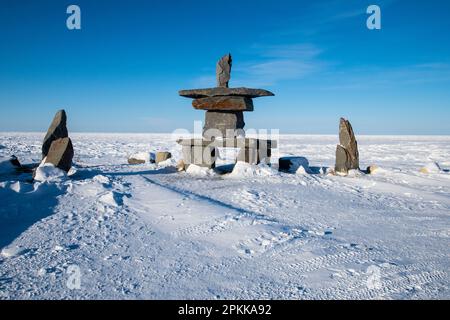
(162, 156)
(60, 154)
(223, 71)
(224, 103)
(57, 130)
(347, 155)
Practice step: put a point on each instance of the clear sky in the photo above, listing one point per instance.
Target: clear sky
(122, 71)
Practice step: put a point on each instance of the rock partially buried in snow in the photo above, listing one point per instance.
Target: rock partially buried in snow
(142, 157)
(162, 156)
(432, 167)
(293, 164)
(373, 169)
(60, 154)
(57, 130)
(181, 165)
(135, 161)
(12, 251)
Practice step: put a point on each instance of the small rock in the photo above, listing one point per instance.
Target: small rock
(181, 166)
(135, 161)
(162, 156)
(372, 169)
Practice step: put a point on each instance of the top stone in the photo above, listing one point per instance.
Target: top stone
(57, 130)
(223, 71)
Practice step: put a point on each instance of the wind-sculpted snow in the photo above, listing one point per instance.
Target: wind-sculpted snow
(148, 231)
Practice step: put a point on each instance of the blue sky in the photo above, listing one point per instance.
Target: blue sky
(122, 71)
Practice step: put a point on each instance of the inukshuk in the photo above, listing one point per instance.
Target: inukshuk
(224, 121)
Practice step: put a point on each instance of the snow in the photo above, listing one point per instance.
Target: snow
(48, 172)
(151, 232)
(243, 169)
(145, 156)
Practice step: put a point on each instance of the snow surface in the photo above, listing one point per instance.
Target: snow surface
(148, 231)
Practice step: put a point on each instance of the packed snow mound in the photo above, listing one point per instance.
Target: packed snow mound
(199, 171)
(302, 170)
(244, 169)
(171, 162)
(48, 172)
(432, 167)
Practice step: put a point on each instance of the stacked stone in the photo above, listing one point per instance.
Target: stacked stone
(224, 118)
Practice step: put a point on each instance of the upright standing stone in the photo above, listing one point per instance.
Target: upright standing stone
(223, 71)
(347, 155)
(57, 130)
(60, 154)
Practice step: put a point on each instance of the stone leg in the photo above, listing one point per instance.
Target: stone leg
(254, 155)
(199, 155)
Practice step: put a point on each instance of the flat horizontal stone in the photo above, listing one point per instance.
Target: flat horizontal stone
(221, 91)
(229, 143)
(224, 103)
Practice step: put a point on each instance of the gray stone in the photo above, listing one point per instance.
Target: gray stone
(200, 155)
(57, 130)
(348, 141)
(223, 71)
(255, 155)
(347, 155)
(162, 156)
(221, 91)
(60, 154)
(218, 122)
(343, 160)
(224, 103)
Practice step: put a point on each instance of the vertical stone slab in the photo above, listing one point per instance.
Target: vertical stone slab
(57, 130)
(223, 71)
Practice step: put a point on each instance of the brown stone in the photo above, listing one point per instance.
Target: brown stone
(135, 161)
(221, 91)
(60, 154)
(162, 156)
(57, 130)
(224, 103)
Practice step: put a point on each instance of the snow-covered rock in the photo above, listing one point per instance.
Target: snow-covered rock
(199, 171)
(147, 157)
(48, 172)
(298, 165)
(244, 169)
